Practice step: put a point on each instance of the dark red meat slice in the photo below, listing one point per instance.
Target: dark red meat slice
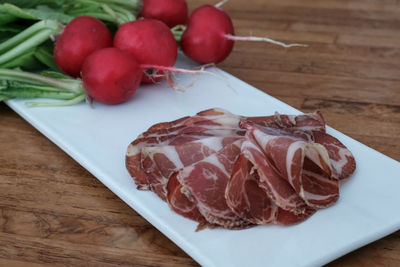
(133, 156)
(274, 169)
(305, 122)
(251, 202)
(244, 196)
(285, 217)
(209, 119)
(159, 163)
(206, 181)
(213, 122)
(342, 160)
(305, 165)
(271, 181)
(181, 204)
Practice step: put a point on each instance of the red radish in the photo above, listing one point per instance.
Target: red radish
(149, 41)
(204, 39)
(81, 37)
(171, 12)
(209, 36)
(111, 76)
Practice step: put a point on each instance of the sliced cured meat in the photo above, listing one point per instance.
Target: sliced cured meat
(244, 196)
(133, 155)
(213, 122)
(305, 165)
(221, 169)
(285, 217)
(181, 204)
(248, 200)
(188, 120)
(305, 122)
(205, 182)
(213, 118)
(342, 160)
(160, 162)
(271, 180)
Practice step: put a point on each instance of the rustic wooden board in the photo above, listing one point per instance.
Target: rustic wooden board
(53, 212)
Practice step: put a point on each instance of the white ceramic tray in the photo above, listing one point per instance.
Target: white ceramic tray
(97, 138)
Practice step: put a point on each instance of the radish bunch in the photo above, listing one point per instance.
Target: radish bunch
(143, 50)
(112, 69)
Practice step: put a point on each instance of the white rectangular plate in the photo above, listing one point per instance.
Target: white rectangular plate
(97, 138)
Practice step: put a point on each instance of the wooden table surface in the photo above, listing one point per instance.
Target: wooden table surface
(53, 212)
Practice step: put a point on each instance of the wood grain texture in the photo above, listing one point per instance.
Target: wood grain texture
(54, 213)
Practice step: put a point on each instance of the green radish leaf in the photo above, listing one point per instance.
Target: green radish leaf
(33, 3)
(6, 18)
(16, 11)
(44, 53)
(16, 89)
(40, 12)
(12, 28)
(7, 31)
(55, 74)
(30, 38)
(34, 93)
(45, 12)
(16, 85)
(3, 84)
(27, 61)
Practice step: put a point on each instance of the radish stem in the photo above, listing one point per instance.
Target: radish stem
(45, 57)
(260, 39)
(32, 93)
(112, 13)
(27, 40)
(68, 85)
(22, 48)
(20, 84)
(29, 32)
(70, 102)
(177, 31)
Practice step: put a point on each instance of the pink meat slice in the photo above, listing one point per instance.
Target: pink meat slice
(181, 204)
(213, 122)
(249, 201)
(305, 165)
(305, 122)
(160, 162)
(205, 183)
(213, 118)
(205, 123)
(285, 217)
(244, 196)
(188, 120)
(222, 169)
(271, 180)
(133, 155)
(342, 160)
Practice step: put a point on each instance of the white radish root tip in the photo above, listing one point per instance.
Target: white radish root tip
(89, 101)
(219, 4)
(261, 39)
(172, 84)
(169, 72)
